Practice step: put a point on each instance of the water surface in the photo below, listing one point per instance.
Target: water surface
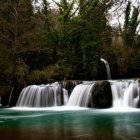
(85, 124)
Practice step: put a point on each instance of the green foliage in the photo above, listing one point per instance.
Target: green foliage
(56, 71)
(38, 44)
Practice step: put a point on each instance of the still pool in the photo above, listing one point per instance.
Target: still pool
(83, 124)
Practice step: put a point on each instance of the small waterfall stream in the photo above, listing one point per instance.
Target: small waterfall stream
(107, 68)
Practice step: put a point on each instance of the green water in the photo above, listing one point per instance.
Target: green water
(69, 125)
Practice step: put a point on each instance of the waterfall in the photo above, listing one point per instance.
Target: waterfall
(107, 68)
(42, 96)
(98, 94)
(125, 93)
(81, 95)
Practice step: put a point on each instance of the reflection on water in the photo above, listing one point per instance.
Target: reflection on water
(69, 125)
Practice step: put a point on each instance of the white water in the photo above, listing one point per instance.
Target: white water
(42, 96)
(81, 95)
(126, 94)
(56, 108)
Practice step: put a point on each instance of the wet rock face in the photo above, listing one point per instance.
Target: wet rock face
(14, 96)
(4, 95)
(69, 86)
(138, 104)
(101, 95)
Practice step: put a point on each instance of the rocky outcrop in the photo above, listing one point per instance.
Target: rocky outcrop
(69, 85)
(4, 95)
(101, 95)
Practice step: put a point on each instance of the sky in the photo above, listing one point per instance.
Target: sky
(118, 16)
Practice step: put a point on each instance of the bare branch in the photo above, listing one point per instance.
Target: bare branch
(118, 18)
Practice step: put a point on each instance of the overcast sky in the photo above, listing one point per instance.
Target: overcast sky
(118, 14)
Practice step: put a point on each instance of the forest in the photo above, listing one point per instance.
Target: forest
(42, 42)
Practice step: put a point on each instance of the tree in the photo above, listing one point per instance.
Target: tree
(131, 25)
(93, 36)
(16, 32)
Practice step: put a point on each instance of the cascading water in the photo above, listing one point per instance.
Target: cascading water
(125, 93)
(43, 96)
(81, 95)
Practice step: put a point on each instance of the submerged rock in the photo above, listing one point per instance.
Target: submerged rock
(101, 95)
